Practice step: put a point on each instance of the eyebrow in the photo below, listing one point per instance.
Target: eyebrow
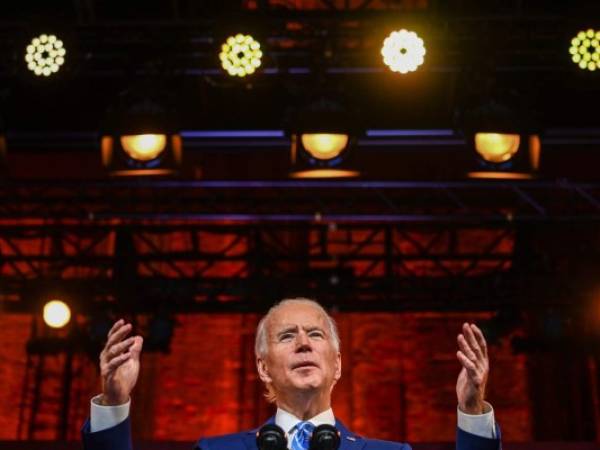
(315, 329)
(294, 328)
(287, 329)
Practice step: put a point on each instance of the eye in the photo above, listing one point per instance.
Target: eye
(317, 334)
(286, 337)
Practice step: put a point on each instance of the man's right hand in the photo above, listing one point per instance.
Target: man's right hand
(119, 364)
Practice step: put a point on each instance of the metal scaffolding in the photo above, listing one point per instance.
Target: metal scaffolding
(218, 246)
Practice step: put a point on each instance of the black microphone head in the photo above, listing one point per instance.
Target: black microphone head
(325, 437)
(271, 437)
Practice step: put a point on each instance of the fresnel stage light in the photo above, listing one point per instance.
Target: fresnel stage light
(322, 138)
(141, 137)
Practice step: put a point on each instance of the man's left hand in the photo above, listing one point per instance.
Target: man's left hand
(472, 354)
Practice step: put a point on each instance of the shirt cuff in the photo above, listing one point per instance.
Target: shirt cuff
(103, 417)
(482, 425)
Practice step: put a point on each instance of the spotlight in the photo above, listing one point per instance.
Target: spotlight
(240, 55)
(504, 142)
(56, 314)
(585, 50)
(403, 51)
(497, 147)
(322, 139)
(45, 55)
(144, 147)
(324, 146)
(141, 137)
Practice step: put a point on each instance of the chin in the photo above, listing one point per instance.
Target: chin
(308, 383)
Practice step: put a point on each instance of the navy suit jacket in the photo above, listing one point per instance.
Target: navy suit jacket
(119, 438)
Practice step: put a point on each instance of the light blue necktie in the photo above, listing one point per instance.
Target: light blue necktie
(302, 437)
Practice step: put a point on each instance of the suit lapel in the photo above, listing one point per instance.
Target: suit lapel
(349, 440)
(249, 437)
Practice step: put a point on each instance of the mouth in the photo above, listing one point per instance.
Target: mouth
(304, 365)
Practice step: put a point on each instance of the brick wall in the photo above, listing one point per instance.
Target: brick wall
(399, 375)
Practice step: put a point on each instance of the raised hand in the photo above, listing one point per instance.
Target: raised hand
(119, 364)
(472, 354)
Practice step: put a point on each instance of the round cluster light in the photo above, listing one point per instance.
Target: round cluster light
(403, 51)
(240, 55)
(585, 49)
(45, 55)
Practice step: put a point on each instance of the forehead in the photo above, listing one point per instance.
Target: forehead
(296, 314)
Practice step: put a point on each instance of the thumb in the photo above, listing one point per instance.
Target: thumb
(136, 347)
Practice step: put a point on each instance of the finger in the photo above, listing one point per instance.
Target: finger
(466, 349)
(116, 325)
(470, 337)
(118, 334)
(117, 361)
(136, 348)
(120, 347)
(468, 333)
(115, 338)
(480, 339)
(467, 364)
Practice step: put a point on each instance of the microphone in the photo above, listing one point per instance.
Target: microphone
(271, 437)
(325, 437)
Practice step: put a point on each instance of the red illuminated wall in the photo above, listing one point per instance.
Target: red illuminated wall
(399, 369)
(399, 372)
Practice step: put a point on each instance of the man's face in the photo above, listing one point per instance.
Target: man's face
(301, 355)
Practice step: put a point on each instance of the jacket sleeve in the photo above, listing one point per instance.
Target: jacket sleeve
(468, 441)
(115, 438)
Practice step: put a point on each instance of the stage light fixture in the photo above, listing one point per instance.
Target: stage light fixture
(141, 138)
(403, 51)
(144, 147)
(240, 55)
(505, 142)
(56, 313)
(585, 50)
(324, 146)
(322, 138)
(45, 55)
(497, 147)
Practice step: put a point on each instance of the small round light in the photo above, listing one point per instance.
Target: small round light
(403, 51)
(585, 48)
(240, 55)
(56, 314)
(144, 147)
(45, 55)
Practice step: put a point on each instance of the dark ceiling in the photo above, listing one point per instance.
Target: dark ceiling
(513, 51)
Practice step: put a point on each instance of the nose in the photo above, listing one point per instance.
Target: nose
(303, 342)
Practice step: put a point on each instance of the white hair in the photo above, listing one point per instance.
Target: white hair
(261, 342)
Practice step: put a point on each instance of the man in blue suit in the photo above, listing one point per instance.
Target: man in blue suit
(298, 359)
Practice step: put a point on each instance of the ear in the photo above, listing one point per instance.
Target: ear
(263, 371)
(338, 367)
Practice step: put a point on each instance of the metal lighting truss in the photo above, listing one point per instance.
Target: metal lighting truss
(356, 244)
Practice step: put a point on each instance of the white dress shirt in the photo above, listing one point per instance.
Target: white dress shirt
(103, 417)
(287, 421)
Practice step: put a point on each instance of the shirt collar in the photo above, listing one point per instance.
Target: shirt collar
(287, 420)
